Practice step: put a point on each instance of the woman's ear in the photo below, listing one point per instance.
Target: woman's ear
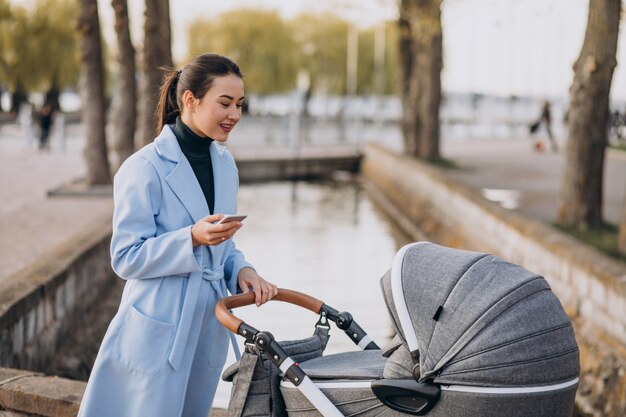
(189, 101)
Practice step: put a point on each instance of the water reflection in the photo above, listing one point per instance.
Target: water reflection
(326, 240)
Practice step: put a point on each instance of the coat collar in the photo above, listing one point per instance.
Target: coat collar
(182, 179)
(168, 148)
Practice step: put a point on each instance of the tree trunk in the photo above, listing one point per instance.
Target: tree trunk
(409, 119)
(581, 183)
(125, 109)
(621, 243)
(92, 94)
(421, 54)
(157, 57)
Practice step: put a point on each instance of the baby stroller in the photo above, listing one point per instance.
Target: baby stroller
(476, 336)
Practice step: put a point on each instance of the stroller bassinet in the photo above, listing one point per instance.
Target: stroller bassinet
(476, 336)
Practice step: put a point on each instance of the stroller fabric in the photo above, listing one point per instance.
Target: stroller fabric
(256, 380)
(476, 319)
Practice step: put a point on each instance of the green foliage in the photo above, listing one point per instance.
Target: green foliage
(38, 46)
(273, 51)
(323, 41)
(259, 41)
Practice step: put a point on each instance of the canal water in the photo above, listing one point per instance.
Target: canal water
(323, 239)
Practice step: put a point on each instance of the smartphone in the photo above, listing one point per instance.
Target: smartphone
(232, 218)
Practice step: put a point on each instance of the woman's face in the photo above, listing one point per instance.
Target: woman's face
(217, 113)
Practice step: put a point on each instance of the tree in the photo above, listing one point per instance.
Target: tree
(267, 57)
(54, 45)
(421, 62)
(323, 45)
(157, 58)
(38, 48)
(92, 94)
(125, 109)
(581, 182)
(369, 80)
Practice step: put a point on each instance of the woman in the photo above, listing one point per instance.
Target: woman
(164, 350)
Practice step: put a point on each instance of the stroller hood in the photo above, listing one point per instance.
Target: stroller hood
(477, 320)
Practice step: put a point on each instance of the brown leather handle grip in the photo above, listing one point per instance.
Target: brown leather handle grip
(232, 323)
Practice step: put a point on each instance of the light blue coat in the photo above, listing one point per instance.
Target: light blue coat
(164, 350)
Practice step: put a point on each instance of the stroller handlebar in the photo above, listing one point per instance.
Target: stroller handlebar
(232, 323)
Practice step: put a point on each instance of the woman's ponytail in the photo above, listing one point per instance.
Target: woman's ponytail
(167, 107)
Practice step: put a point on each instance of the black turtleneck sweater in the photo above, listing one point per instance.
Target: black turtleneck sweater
(197, 151)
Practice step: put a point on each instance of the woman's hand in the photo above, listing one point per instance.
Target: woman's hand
(206, 232)
(249, 280)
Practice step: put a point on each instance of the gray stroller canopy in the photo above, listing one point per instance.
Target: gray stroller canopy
(474, 319)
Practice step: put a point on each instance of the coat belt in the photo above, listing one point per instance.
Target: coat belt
(194, 299)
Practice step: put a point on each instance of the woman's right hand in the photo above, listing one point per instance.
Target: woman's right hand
(207, 232)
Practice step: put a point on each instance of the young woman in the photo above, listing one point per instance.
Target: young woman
(164, 350)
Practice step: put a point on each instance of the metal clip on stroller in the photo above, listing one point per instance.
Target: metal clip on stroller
(476, 336)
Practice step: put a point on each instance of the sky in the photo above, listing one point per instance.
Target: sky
(501, 47)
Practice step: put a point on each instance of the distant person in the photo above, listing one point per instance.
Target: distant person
(25, 119)
(616, 123)
(164, 350)
(45, 122)
(545, 119)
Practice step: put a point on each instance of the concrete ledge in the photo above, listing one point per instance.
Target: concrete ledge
(287, 164)
(32, 393)
(24, 393)
(79, 188)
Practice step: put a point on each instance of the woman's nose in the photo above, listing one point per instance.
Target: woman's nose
(234, 113)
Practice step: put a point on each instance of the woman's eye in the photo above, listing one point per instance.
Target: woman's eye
(225, 104)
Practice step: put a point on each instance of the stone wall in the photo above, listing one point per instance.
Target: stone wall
(592, 287)
(39, 305)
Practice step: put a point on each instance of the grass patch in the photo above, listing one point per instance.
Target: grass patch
(445, 163)
(621, 147)
(603, 238)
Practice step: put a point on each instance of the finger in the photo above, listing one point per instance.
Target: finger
(212, 218)
(232, 231)
(257, 293)
(244, 286)
(226, 227)
(274, 290)
(265, 293)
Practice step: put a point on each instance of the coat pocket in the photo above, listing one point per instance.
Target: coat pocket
(143, 342)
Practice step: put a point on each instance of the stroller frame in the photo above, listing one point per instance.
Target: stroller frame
(406, 396)
(265, 342)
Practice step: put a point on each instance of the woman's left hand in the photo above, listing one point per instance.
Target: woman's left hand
(249, 280)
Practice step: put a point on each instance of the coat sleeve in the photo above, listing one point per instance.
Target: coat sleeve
(234, 263)
(136, 250)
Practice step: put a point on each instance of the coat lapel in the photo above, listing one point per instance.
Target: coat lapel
(218, 171)
(182, 179)
(226, 179)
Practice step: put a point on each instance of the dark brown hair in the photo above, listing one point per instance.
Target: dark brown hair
(197, 76)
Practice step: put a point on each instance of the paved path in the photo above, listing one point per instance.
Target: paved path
(510, 172)
(32, 223)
